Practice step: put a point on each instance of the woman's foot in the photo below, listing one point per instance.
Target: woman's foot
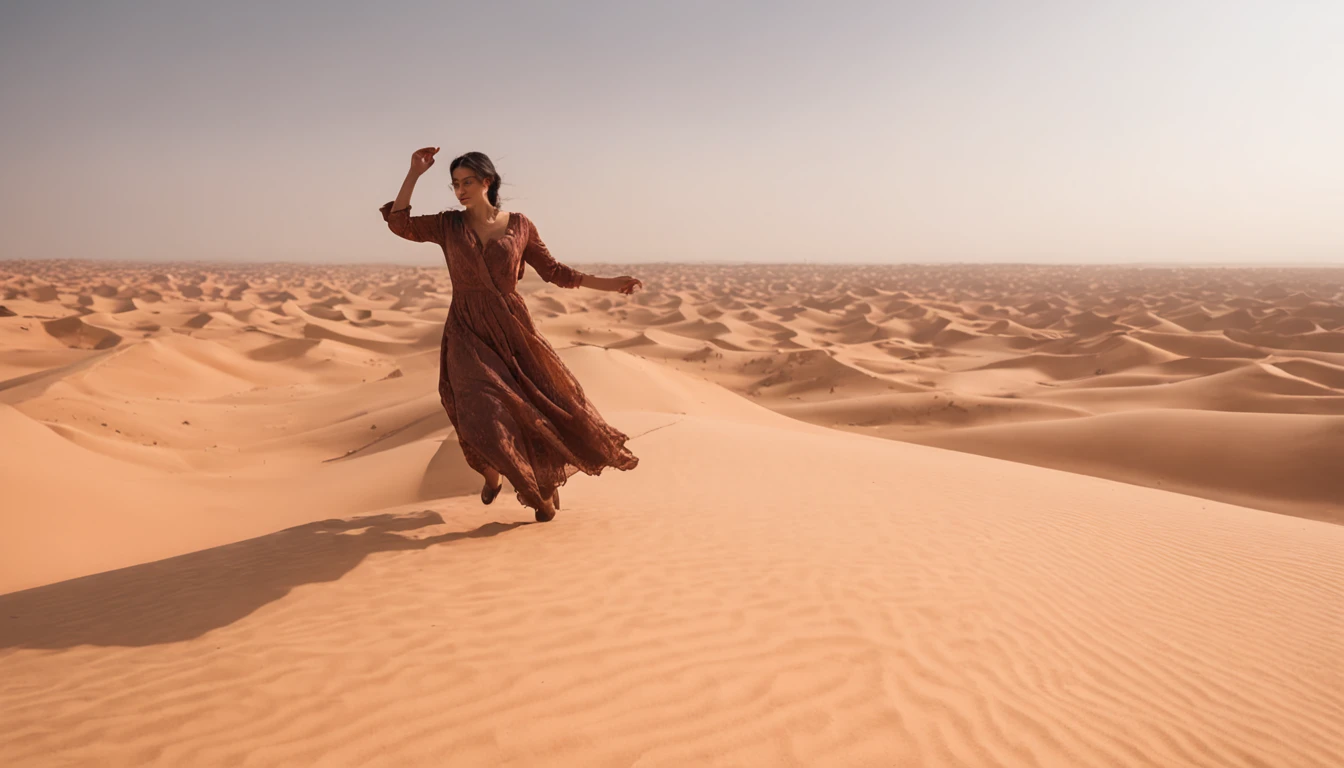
(489, 493)
(546, 512)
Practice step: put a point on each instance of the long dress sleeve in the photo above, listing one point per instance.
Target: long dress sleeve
(539, 256)
(421, 229)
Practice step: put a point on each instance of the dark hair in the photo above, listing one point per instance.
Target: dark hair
(478, 162)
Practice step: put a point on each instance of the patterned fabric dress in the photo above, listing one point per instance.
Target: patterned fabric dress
(515, 405)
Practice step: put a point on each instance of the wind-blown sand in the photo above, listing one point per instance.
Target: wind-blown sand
(239, 530)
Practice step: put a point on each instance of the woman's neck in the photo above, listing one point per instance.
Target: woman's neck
(483, 214)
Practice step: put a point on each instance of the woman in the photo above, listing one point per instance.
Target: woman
(518, 411)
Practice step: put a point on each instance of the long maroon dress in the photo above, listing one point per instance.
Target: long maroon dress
(515, 405)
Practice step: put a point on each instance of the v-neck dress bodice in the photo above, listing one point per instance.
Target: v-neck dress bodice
(515, 406)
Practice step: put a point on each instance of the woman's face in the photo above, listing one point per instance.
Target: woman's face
(470, 188)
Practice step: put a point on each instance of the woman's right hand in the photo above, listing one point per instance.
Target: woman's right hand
(422, 159)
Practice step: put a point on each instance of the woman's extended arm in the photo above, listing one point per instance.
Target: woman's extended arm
(539, 256)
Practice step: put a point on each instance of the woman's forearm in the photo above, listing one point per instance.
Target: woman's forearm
(597, 283)
(407, 187)
(622, 284)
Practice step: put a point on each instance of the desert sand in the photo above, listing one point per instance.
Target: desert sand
(957, 515)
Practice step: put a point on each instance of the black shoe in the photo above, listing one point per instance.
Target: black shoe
(488, 494)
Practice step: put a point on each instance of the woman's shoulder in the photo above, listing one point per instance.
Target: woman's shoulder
(523, 222)
(452, 218)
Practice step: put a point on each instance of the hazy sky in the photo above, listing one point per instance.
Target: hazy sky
(1162, 130)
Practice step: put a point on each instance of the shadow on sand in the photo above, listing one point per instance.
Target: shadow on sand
(186, 596)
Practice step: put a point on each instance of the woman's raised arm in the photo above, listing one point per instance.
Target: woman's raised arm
(397, 213)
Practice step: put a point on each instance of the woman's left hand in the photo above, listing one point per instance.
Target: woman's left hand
(627, 284)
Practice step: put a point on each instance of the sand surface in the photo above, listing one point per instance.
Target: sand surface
(239, 531)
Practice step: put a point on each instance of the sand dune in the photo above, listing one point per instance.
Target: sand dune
(1260, 388)
(74, 332)
(904, 411)
(1286, 462)
(892, 627)
(239, 529)
(1326, 375)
